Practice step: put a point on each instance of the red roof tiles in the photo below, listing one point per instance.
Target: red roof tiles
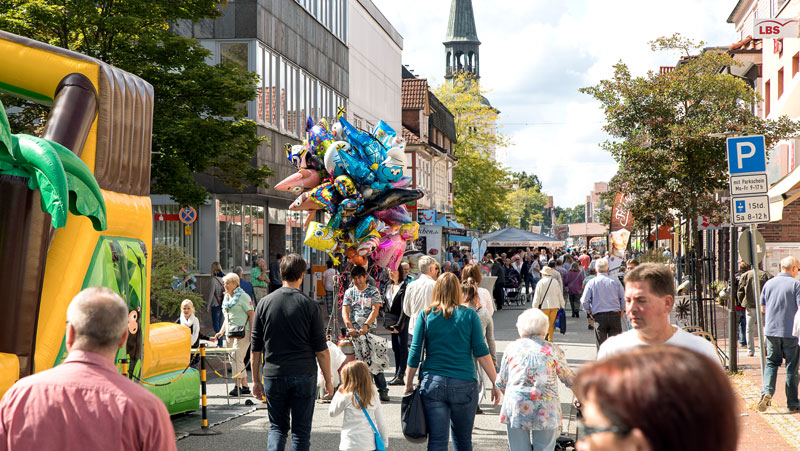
(414, 92)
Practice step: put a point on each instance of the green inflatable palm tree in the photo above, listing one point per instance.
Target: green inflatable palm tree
(63, 179)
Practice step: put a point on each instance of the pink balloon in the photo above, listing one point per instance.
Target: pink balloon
(300, 181)
(390, 252)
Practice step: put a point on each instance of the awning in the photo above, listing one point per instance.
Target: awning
(782, 193)
(467, 239)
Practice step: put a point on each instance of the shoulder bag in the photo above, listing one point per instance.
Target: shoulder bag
(379, 445)
(412, 414)
(545, 294)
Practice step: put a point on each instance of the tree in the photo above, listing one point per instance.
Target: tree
(166, 264)
(198, 124)
(481, 185)
(526, 207)
(524, 180)
(662, 126)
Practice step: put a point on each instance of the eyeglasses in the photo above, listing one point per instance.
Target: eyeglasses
(591, 430)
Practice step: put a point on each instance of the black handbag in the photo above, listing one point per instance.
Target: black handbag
(412, 413)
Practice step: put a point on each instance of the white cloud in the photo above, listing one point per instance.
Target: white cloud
(536, 54)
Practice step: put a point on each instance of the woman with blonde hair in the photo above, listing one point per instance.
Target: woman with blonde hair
(452, 336)
(188, 319)
(238, 309)
(469, 290)
(474, 271)
(357, 393)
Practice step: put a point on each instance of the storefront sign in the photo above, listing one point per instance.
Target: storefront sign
(430, 242)
(773, 28)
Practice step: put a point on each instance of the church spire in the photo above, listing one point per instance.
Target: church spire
(461, 42)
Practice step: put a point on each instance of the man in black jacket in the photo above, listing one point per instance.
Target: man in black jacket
(499, 271)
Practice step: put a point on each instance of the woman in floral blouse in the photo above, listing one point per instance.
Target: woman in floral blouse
(531, 409)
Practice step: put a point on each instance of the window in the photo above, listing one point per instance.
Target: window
(766, 98)
(330, 13)
(169, 230)
(241, 234)
(235, 53)
(780, 82)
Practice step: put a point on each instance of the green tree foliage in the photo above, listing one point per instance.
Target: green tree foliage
(481, 185)
(661, 126)
(198, 124)
(525, 180)
(526, 207)
(166, 264)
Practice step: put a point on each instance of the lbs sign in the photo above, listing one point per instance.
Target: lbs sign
(776, 28)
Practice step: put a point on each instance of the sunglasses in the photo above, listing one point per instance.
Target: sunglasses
(591, 430)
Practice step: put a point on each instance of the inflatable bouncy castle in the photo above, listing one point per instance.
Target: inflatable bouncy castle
(75, 212)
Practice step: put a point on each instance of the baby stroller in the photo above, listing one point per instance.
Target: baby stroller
(513, 287)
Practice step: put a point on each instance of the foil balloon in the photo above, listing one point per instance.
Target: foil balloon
(394, 216)
(409, 231)
(320, 237)
(356, 168)
(304, 202)
(345, 186)
(296, 155)
(365, 226)
(404, 182)
(353, 256)
(319, 138)
(325, 196)
(387, 136)
(368, 147)
(300, 181)
(368, 244)
(333, 163)
(389, 252)
(391, 198)
(390, 170)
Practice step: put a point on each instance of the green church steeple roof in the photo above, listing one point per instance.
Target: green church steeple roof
(461, 25)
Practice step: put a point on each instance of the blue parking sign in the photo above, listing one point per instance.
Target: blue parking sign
(746, 154)
(740, 207)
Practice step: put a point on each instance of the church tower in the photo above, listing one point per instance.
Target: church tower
(461, 43)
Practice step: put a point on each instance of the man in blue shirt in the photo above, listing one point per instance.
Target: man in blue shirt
(780, 299)
(603, 301)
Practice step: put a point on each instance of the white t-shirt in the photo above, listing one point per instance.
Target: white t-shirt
(356, 433)
(328, 278)
(630, 339)
(488, 303)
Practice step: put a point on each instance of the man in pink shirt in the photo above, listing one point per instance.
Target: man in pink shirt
(85, 403)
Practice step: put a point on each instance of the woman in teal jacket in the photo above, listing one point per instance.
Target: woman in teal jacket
(449, 387)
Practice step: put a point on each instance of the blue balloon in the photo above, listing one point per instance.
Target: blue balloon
(356, 168)
(367, 146)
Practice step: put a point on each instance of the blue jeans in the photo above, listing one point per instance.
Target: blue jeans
(449, 404)
(779, 349)
(741, 323)
(216, 321)
(522, 440)
(285, 395)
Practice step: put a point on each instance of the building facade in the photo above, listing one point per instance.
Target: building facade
(299, 49)
(375, 58)
(430, 133)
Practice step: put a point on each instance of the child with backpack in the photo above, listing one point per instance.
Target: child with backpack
(357, 397)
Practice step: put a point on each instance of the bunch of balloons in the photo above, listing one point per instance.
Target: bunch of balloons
(357, 178)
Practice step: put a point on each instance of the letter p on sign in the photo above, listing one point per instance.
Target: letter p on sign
(740, 152)
(746, 155)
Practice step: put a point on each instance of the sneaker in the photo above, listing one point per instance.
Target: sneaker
(591, 327)
(751, 353)
(766, 400)
(384, 396)
(234, 392)
(245, 390)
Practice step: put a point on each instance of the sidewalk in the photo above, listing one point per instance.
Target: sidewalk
(774, 429)
(244, 427)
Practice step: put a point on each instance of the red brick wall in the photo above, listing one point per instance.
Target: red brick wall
(786, 230)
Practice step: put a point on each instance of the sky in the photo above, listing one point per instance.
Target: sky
(536, 54)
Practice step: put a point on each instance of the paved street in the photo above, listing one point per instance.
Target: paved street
(246, 429)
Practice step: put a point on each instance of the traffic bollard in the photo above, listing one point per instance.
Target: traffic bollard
(204, 429)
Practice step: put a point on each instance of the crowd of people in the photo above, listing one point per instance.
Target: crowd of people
(442, 338)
